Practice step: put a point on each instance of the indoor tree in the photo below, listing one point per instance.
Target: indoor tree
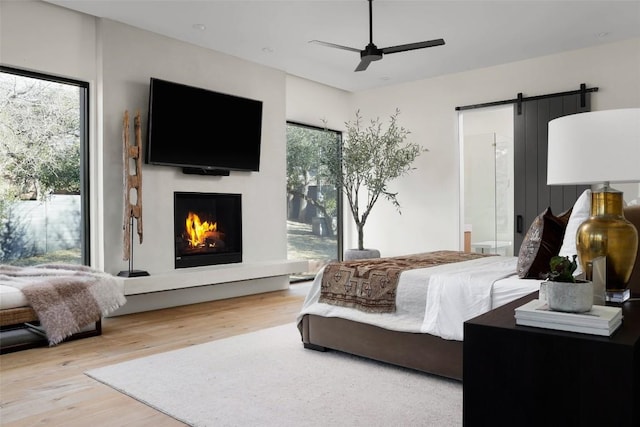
(369, 158)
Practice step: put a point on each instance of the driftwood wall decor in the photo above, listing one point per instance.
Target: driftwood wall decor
(132, 183)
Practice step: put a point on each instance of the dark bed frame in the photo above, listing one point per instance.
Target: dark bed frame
(422, 352)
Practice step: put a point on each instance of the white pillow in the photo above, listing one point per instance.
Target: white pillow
(579, 214)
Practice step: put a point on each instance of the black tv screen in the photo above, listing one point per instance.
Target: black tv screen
(199, 129)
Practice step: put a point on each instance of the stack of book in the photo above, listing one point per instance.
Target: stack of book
(600, 320)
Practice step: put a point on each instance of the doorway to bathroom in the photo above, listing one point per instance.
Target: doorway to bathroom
(487, 177)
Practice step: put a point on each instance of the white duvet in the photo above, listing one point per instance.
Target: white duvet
(438, 300)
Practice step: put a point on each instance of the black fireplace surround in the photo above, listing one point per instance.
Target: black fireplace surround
(207, 229)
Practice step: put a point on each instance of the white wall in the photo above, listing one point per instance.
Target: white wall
(118, 60)
(429, 196)
(63, 45)
(312, 103)
(38, 36)
(129, 58)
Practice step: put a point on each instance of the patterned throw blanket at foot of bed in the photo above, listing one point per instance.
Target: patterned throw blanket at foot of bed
(370, 285)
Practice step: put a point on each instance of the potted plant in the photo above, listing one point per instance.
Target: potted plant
(564, 291)
(368, 160)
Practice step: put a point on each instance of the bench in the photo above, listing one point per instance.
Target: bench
(82, 294)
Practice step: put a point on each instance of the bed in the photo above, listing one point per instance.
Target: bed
(415, 336)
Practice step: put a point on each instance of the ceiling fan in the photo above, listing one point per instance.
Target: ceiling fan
(372, 53)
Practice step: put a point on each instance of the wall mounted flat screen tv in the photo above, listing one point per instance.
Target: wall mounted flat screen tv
(202, 131)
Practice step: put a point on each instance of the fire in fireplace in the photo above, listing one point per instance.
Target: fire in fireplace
(207, 229)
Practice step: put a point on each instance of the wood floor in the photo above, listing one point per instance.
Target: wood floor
(47, 386)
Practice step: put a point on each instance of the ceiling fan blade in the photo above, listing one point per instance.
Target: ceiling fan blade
(364, 63)
(413, 46)
(336, 46)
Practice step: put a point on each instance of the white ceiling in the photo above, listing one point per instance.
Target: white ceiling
(477, 33)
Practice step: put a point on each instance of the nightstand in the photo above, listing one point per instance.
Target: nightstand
(520, 375)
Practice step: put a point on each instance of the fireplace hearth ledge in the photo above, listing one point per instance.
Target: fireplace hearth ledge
(210, 275)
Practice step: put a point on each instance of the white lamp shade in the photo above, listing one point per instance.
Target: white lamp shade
(595, 147)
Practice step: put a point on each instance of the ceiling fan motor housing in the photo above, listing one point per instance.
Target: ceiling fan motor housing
(371, 52)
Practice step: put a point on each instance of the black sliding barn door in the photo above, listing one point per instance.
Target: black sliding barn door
(532, 195)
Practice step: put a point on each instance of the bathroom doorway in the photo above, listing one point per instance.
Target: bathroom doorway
(487, 177)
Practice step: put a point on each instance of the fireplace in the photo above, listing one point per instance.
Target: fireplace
(207, 229)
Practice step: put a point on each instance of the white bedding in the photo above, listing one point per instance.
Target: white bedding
(440, 309)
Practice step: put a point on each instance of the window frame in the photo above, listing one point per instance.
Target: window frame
(83, 92)
(339, 197)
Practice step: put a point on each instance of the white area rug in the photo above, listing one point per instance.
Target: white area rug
(267, 378)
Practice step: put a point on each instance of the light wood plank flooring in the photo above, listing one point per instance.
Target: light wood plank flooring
(47, 386)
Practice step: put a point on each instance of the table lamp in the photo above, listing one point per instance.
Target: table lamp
(600, 147)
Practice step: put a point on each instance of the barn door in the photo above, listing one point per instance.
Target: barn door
(531, 193)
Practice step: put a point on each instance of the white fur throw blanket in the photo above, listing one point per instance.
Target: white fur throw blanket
(66, 297)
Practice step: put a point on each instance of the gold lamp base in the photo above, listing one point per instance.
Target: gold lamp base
(608, 233)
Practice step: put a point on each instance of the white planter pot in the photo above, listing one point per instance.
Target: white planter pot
(353, 254)
(570, 297)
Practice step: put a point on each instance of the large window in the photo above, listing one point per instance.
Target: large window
(314, 223)
(43, 169)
